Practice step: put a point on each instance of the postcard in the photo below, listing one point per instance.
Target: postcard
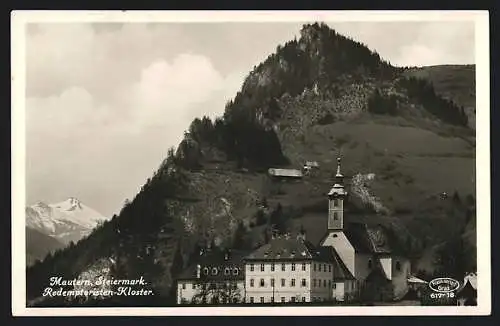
(250, 163)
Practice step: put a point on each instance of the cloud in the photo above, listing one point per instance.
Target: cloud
(100, 143)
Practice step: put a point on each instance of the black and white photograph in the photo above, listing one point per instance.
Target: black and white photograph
(224, 163)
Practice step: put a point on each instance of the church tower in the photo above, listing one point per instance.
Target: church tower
(336, 198)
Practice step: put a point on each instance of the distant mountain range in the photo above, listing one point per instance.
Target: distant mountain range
(54, 226)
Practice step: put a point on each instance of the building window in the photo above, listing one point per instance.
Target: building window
(261, 282)
(261, 267)
(227, 271)
(272, 282)
(314, 268)
(369, 263)
(272, 267)
(303, 282)
(303, 299)
(324, 283)
(314, 283)
(261, 299)
(398, 266)
(329, 268)
(282, 282)
(283, 267)
(303, 266)
(251, 299)
(236, 271)
(251, 267)
(282, 299)
(293, 282)
(335, 215)
(293, 267)
(251, 282)
(324, 267)
(292, 299)
(183, 286)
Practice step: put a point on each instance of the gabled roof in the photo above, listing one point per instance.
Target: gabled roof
(288, 249)
(227, 266)
(467, 291)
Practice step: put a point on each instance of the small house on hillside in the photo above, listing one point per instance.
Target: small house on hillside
(310, 166)
(285, 174)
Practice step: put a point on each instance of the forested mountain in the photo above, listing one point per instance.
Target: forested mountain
(408, 153)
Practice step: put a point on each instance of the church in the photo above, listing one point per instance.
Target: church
(352, 261)
(370, 253)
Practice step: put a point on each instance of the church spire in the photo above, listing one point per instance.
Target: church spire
(338, 168)
(336, 201)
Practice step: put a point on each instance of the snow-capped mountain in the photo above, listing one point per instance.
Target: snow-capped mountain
(66, 221)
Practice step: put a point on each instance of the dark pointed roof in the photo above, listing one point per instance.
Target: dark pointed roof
(467, 291)
(373, 239)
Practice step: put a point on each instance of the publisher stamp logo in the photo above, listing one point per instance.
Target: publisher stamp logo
(444, 285)
(443, 288)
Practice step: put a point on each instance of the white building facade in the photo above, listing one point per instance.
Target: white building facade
(288, 270)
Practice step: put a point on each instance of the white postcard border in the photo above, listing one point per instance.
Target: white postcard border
(20, 18)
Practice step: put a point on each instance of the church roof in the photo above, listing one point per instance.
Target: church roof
(372, 238)
(288, 249)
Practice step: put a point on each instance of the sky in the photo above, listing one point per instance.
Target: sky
(105, 101)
